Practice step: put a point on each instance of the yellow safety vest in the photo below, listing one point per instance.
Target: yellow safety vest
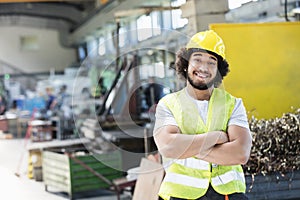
(190, 178)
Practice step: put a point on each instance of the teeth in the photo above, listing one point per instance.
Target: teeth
(200, 75)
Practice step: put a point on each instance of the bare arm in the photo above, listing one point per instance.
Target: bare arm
(236, 151)
(171, 143)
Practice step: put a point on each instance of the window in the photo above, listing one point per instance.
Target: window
(237, 3)
(81, 53)
(156, 23)
(29, 43)
(122, 36)
(149, 25)
(92, 47)
(177, 3)
(177, 21)
(154, 69)
(144, 24)
(101, 46)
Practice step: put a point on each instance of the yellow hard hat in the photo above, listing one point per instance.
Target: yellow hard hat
(208, 40)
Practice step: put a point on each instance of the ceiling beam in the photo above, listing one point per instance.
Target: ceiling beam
(23, 1)
(40, 10)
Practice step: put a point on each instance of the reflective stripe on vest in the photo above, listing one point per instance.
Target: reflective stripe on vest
(186, 180)
(189, 178)
(194, 163)
(227, 177)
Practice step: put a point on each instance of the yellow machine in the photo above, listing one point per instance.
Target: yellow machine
(264, 65)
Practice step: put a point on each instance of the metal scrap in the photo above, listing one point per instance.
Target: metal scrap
(276, 145)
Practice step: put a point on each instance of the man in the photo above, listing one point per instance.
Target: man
(62, 97)
(2, 106)
(201, 130)
(50, 99)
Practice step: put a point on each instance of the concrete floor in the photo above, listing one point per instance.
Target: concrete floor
(14, 160)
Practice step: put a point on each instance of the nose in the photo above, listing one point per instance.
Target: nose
(203, 67)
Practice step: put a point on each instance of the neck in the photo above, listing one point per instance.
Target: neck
(199, 94)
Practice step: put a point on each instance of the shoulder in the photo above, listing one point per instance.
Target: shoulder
(239, 106)
(239, 114)
(172, 95)
(237, 102)
(172, 99)
(168, 97)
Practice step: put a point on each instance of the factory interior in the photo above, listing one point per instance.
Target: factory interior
(80, 81)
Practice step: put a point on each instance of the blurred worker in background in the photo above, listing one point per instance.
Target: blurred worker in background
(50, 99)
(63, 104)
(202, 131)
(2, 105)
(62, 97)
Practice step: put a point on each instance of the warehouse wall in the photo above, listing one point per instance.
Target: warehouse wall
(33, 49)
(264, 65)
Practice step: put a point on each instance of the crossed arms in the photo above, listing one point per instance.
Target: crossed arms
(217, 147)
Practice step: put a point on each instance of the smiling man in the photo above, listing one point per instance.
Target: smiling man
(202, 131)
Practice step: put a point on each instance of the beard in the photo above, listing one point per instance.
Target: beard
(201, 86)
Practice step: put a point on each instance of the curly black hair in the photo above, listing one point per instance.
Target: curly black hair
(182, 63)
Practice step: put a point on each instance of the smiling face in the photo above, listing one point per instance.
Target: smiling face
(202, 70)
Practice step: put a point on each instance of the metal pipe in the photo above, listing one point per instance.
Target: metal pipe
(285, 11)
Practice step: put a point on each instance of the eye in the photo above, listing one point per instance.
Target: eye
(197, 60)
(212, 63)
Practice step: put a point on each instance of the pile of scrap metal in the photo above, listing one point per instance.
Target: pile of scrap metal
(276, 145)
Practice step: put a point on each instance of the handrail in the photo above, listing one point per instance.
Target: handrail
(14, 68)
(124, 68)
(17, 72)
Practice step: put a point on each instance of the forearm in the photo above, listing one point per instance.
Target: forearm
(227, 154)
(177, 145)
(236, 151)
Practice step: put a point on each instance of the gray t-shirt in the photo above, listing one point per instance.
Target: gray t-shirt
(165, 117)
